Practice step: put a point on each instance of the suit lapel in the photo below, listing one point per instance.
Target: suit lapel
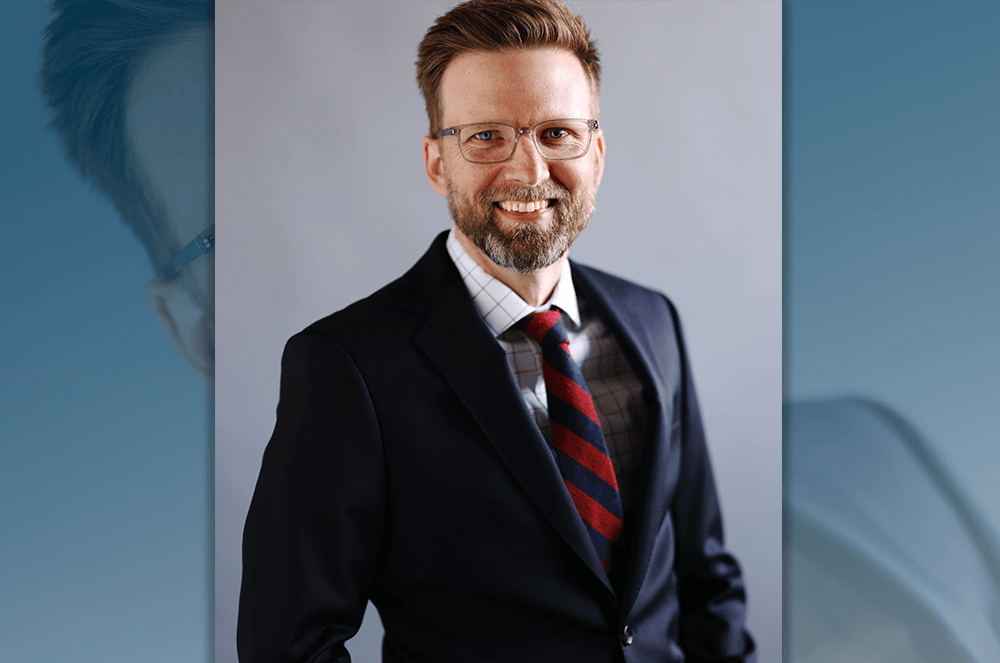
(633, 335)
(461, 346)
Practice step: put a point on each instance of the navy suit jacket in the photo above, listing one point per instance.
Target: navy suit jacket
(405, 468)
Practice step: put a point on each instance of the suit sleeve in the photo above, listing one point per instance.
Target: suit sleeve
(314, 528)
(711, 594)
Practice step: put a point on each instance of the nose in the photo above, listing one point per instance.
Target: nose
(526, 166)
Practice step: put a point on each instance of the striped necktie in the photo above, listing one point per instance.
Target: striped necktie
(576, 434)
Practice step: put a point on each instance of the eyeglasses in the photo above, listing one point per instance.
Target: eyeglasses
(199, 246)
(492, 142)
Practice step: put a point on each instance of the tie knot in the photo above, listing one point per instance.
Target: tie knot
(546, 327)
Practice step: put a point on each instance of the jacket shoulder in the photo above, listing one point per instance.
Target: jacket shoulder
(358, 319)
(622, 292)
(395, 309)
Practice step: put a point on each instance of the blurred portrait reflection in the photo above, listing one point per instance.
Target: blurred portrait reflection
(886, 560)
(129, 83)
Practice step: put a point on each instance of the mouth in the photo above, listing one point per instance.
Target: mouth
(519, 207)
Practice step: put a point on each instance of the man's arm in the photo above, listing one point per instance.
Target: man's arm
(710, 587)
(315, 524)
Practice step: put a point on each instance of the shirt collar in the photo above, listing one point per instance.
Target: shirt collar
(500, 306)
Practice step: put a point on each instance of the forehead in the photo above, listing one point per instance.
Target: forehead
(169, 121)
(522, 87)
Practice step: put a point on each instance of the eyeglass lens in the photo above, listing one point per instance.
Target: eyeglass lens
(489, 142)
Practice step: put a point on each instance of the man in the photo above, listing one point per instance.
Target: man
(129, 83)
(421, 457)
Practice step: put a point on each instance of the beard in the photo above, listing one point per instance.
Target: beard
(527, 247)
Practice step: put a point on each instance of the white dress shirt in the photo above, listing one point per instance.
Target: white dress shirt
(613, 384)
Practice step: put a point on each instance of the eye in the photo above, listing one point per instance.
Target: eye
(555, 133)
(485, 136)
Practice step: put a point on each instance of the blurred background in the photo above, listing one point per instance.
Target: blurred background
(891, 295)
(890, 238)
(105, 454)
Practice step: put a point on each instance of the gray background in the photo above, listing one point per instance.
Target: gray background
(315, 210)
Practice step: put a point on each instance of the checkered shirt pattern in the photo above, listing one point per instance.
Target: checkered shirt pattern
(613, 384)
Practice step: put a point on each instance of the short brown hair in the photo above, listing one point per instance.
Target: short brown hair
(500, 25)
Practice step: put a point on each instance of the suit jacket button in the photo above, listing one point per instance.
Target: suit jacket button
(627, 636)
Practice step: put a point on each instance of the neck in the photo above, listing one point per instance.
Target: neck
(535, 288)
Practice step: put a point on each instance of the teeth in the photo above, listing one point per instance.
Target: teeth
(514, 206)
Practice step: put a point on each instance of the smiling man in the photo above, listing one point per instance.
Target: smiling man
(501, 450)
(517, 204)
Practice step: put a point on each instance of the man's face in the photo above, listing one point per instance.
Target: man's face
(522, 89)
(169, 118)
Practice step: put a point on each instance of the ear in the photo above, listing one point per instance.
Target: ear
(434, 165)
(186, 323)
(599, 138)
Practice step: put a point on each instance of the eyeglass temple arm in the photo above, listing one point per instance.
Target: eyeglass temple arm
(199, 246)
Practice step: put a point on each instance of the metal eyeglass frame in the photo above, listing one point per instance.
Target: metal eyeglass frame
(199, 246)
(591, 126)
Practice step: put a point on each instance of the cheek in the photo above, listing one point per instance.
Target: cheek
(472, 185)
(596, 162)
(576, 177)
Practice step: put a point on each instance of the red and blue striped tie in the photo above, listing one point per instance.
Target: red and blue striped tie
(576, 433)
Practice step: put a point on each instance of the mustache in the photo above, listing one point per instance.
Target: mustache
(544, 191)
